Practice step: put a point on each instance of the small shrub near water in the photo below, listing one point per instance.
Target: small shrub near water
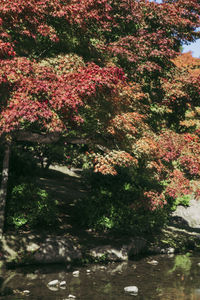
(30, 206)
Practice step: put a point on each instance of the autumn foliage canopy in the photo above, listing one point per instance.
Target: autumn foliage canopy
(110, 71)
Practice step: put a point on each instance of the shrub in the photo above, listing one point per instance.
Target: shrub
(31, 206)
(113, 204)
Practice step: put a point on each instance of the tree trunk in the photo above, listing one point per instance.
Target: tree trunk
(4, 183)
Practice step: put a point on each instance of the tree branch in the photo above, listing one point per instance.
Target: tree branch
(27, 136)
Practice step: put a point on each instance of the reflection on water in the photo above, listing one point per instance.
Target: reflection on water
(173, 278)
(182, 262)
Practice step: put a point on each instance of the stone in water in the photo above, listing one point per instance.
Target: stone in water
(53, 282)
(153, 262)
(76, 273)
(133, 290)
(26, 292)
(53, 285)
(71, 297)
(63, 285)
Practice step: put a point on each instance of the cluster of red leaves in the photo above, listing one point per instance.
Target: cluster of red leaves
(171, 146)
(28, 18)
(106, 164)
(6, 49)
(144, 51)
(128, 124)
(180, 157)
(120, 27)
(178, 185)
(49, 99)
(183, 84)
(153, 200)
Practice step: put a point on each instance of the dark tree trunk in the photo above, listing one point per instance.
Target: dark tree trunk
(4, 183)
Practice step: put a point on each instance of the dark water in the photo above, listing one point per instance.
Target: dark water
(173, 278)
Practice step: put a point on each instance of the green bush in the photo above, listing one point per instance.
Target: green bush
(30, 205)
(183, 200)
(112, 204)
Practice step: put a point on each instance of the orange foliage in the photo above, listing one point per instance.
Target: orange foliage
(106, 164)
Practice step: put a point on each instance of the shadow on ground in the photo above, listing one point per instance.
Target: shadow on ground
(67, 187)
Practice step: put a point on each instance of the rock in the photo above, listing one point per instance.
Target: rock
(117, 268)
(32, 247)
(53, 282)
(109, 253)
(53, 285)
(57, 250)
(71, 296)
(169, 250)
(153, 262)
(88, 271)
(37, 249)
(76, 273)
(53, 288)
(198, 264)
(133, 290)
(63, 284)
(120, 253)
(188, 216)
(26, 292)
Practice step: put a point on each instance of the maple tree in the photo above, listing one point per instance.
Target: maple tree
(105, 71)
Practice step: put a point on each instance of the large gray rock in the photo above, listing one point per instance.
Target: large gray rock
(35, 249)
(119, 253)
(189, 216)
(110, 253)
(57, 250)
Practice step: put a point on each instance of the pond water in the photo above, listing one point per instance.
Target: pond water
(158, 277)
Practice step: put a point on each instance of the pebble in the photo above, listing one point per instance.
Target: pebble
(71, 296)
(170, 250)
(26, 292)
(153, 262)
(53, 282)
(133, 290)
(76, 273)
(63, 284)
